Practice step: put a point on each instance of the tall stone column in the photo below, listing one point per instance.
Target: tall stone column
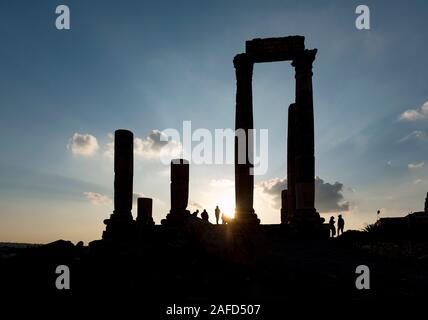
(123, 172)
(179, 192)
(291, 163)
(305, 151)
(121, 224)
(244, 147)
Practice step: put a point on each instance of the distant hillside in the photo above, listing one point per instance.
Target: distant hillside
(18, 245)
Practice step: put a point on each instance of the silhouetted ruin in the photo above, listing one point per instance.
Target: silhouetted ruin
(179, 192)
(290, 209)
(297, 201)
(188, 259)
(121, 224)
(300, 150)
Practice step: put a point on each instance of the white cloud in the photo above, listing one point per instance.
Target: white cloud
(153, 144)
(83, 144)
(149, 147)
(415, 165)
(415, 114)
(329, 197)
(273, 187)
(109, 148)
(98, 198)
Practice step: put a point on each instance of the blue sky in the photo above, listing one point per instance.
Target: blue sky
(148, 65)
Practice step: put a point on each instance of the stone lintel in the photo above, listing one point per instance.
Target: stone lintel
(275, 49)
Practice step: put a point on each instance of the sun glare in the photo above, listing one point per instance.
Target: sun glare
(226, 203)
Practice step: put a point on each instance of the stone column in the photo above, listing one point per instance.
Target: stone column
(123, 172)
(144, 212)
(305, 156)
(284, 206)
(179, 191)
(291, 162)
(121, 225)
(244, 152)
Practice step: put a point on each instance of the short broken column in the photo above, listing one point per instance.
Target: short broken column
(121, 224)
(179, 192)
(144, 212)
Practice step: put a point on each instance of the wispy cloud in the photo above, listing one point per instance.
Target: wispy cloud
(102, 199)
(415, 135)
(419, 181)
(98, 198)
(193, 206)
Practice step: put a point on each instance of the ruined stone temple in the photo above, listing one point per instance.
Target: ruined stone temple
(299, 198)
(298, 201)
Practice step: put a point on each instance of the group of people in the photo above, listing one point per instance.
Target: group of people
(340, 226)
(204, 215)
(225, 219)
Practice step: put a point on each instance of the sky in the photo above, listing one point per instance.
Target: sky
(147, 66)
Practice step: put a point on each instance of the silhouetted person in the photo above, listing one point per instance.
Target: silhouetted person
(223, 218)
(340, 225)
(217, 214)
(195, 214)
(332, 227)
(204, 215)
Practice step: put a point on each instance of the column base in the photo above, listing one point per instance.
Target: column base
(176, 217)
(120, 227)
(245, 217)
(307, 216)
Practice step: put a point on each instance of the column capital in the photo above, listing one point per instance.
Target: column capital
(303, 62)
(243, 64)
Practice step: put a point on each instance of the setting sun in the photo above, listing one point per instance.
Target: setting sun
(226, 204)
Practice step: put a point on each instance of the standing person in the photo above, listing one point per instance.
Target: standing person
(340, 225)
(332, 227)
(195, 214)
(204, 215)
(217, 214)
